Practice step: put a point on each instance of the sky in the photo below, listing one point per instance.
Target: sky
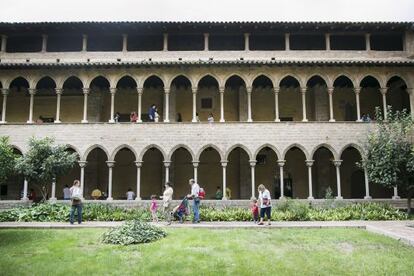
(206, 10)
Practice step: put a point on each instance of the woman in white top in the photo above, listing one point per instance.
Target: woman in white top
(166, 201)
(76, 197)
(265, 204)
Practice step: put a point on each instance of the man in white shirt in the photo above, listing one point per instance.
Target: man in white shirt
(195, 189)
(66, 193)
(130, 194)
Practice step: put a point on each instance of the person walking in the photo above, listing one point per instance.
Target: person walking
(265, 204)
(151, 113)
(195, 190)
(76, 197)
(166, 201)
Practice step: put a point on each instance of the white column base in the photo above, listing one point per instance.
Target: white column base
(396, 197)
(277, 120)
(110, 199)
(84, 121)
(194, 121)
(57, 122)
(367, 197)
(25, 199)
(249, 120)
(222, 120)
(339, 197)
(359, 120)
(282, 197)
(166, 121)
(112, 121)
(3, 122)
(224, 198)
(52, 199)
(139, 121)
(30, 122)
(137, 198)
(305, 120)
(331, 120)
(311, 198)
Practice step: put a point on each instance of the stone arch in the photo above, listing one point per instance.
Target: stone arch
(18, 100)
(238, 173)
(212, 75)
(238, 146)
(181, 96)
(91, 148)
(43, 78)
(145, 149)
(295, 173)
(17, 148)
(146, 78)
(290, 98)
(208, 88)
(352, 176)
(200, 151)
(293, 75)
(370, 95)
(351, 145)
(347, 75)
(210, 173)
(84, 81)
(397, 95)
(328, 147)
(299, 146)
(235, 98)
(374, 76)
(401, 76)
(181, 169)
(324, 78)
(170, 154)
(75, 149)
(241, 76)
(172, 78)
(120, 147)
(262, 74)
(267, 145)
(21, 78)
(153, 173)
(119, 77)
(263, 99)
(343, 99)
(90, 79)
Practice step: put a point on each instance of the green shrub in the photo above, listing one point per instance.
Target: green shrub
(132, 232)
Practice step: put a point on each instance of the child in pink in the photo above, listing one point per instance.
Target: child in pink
(255, 210)
(153, 208)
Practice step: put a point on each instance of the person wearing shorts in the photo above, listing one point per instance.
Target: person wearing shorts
(265, 204)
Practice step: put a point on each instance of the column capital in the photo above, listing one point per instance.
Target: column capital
(252, 163)
(82, 164)
(167, 90)
(140, 90)
(337, 163)
(110, 164)
(303, 90)
(221, 89)
(281, 163)
(194, 90)
(5, 91)
(249, 89)
(309, 163)
(32, 91)
(138, 163)
(224, 163)
(276, 89)
(86, 90)
(330, 90)
(383, 90)
(167, 164)
(195, 164)
(58, 91)
(112, 90)
(206, 34)
(357, 90)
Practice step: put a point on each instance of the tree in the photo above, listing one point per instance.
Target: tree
(7, 159)
(389, 153)
(44, 162)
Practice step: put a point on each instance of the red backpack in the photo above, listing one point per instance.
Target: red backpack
(201, 194)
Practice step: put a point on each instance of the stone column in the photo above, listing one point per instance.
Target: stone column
(167, 105)
(194, 90)
(124, 42)
(206, 35)
(25, 189)
(357, 91)
(5, 92)
(85, 105)
(246, 42)
(281, 163)
(58, 96)
(249, 104)
(396, 196)
(328, 41)
(287, 42)
(303, 92)
(337, 164)
(383, 91)
(112, 90)
(32, 92)
(224, 165)
(167, 165)
(411, 95)
(82, 165)
(165, 42)
(44, 43)
(331, 114)
(276, 90)
(140, 91)
(221, 91)
(84, 43)
(309, 164)
(367, 196)
(368, 42)
(139, 165)
(53, 192)
(110, 164)
(3, 43)
(195, 166)
(252, 169)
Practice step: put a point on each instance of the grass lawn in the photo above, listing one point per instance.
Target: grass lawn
(206, 252)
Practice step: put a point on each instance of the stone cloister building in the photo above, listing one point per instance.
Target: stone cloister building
(287, 99)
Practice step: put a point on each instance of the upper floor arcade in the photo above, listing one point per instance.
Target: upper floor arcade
(151, 42)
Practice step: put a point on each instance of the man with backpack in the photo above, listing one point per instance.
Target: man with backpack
(195, 190)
